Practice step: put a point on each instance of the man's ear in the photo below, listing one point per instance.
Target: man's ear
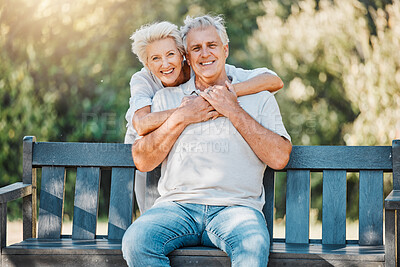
(226, 49)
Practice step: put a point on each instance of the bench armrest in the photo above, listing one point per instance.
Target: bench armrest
(392, 201)
(14, 191)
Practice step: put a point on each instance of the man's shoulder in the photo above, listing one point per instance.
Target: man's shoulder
(168, 92)
(167, 98)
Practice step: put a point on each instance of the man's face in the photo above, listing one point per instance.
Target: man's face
(207, 55)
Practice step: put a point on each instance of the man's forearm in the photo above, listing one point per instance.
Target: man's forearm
(149, 151)
(271, 148)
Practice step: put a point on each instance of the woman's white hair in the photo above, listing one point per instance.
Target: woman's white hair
(153, 32)
(204, 22)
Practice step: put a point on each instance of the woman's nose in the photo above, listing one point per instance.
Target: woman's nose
(165, 62)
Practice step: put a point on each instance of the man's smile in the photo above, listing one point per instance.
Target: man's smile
(207, 63)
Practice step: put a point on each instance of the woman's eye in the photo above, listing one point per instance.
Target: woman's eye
(155, 58)
(196, 49)
(171, 54)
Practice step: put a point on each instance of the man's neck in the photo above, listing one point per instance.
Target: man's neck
(202, 84)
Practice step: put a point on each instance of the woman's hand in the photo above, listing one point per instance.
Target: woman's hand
(222, 98)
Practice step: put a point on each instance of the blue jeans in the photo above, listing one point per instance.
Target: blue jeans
(239, 231)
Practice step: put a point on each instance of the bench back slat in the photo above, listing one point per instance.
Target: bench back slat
(371, 208)
(122, 186)
(268, 209)
(341, 158)
(82, 154)
(151, 187)
(86, 203)
(334, 207)
(297, 206)
(396, 164)
(51, 202)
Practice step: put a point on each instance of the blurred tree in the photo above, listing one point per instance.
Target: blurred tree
(65, 68)
(342, 81)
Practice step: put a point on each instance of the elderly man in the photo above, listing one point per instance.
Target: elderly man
(211, 183)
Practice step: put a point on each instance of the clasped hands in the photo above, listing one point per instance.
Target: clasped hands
(212, 103)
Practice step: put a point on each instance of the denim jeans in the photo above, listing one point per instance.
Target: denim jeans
(239, 231)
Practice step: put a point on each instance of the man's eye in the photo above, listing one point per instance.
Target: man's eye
(213, 45)
(195, 49)
(155, 58)
(171, 54)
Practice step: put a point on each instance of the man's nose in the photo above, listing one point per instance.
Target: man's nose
(205, 51)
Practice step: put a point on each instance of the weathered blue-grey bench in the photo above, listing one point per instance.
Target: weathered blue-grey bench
(44, 245)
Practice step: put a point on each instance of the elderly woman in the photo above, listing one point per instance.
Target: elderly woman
(160, 49)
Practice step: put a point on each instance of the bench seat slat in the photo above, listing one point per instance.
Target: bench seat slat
(121, 202)
(371, 208)
(86, 203)
(297, 206)
(278, 250)
(51, 202)
(334, 207)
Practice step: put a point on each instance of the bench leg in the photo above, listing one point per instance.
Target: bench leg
(390, 238)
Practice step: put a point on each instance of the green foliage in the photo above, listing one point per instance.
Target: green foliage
(341, 73)
(65, 68)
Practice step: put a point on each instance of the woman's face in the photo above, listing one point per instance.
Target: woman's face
(165, 61)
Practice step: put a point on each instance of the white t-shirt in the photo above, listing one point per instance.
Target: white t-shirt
(145, 84)
(211, 163)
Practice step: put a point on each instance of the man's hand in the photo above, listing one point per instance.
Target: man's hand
(222, 98)
(196, 109)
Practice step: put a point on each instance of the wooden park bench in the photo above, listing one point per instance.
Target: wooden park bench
(44, 245)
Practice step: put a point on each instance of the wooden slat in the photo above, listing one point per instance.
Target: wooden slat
(397, 239)
(396, 164)
(302, 157)
(392, 201)
(14, 191)
(334, 207)
(43, 247)
(51, 202)
(390, 238)
(82, 154)
(152, 187)
(371, 208)
(80, 260)
(86, 203)
(268, 209)
(320, 158)
(29, 203)
(297, 206)
(3, 225)
(121, 202)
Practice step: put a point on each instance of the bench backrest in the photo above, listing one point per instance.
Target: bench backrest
(90, 158)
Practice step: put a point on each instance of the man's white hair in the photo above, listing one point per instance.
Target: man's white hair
(204, 22)
(153, 32)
